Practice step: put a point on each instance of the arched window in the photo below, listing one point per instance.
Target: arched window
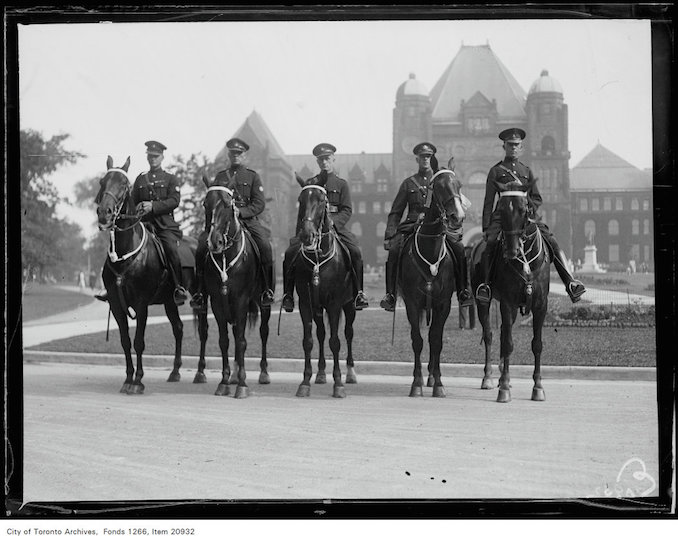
(634, 204)
(635, 227)
(613, 228)
(381, 229)
(548, 145)
(356, 228)
(646, 226)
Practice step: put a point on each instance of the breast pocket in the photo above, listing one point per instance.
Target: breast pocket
(160, 190)
(414, 197)
(245, 190)
(334, 197)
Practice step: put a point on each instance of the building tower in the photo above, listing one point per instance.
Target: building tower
(411, 125)
(547, 153)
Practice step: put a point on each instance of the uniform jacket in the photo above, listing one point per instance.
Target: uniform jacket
(162, 189)
(499, 174)
(411, 196)
(338, 196)
(248, 192)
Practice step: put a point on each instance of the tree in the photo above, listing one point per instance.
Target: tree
(40, 228)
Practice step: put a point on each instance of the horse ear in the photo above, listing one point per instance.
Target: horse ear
(109, 162)
(301, 181)
(205, 181)
(127, 162)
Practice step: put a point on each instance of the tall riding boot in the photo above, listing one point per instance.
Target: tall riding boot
(198, 300)
(463, 293)
(360, 299)
(269, 284)
(573, 287)
(389, 300)
(483, 292)
(288, 279)
(180, 295)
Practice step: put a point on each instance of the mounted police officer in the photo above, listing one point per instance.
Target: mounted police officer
(249, 198)
(412, 196)
(512, 170)
(339, 199)
(156, 193)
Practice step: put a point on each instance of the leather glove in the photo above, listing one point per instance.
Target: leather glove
(145, 207)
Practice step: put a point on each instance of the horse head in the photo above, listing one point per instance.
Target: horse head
(447, 194)
(225, 225)
(512, 207)
(114, 197)
(313, 215)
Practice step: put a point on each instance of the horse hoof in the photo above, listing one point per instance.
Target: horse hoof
(439, 391)
(416, 391)
(320, 377)
(504, 395)
(488, 383)
(199, 378)
(242, 391)
(350, 376)
(222, 390)
(136, 389)
(174, 377)
(339, 391)
(430, 382)
(304, 390)
(264, 378)
(538, 395)
(125, 387)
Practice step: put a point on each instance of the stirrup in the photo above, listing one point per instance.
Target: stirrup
(484, 293)
(575, 290)
(197, 301)
(179, 295)
(360, 301)
(266, 297)
(464, 297)
(288, 303)
(103, 296)
(388, 302)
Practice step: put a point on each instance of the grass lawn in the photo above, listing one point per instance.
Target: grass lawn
(40, 301)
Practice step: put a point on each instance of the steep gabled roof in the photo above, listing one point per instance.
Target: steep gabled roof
(601, 169)
(476, 68)
(255, 132)
(344, 164)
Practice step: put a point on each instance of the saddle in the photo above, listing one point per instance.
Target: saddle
(186, 249)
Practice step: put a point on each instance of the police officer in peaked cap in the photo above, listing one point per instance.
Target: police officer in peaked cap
(412, 196)
(510, 169)
(156, 194)
(250, 199)
(341, 209)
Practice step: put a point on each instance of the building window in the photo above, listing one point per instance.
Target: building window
(635, 252)
(387, 207)
(356, 228)
(646, 227)
(595, 204)
(646, 253)
(381, 229)
(613, 228)
(618, 203)
(356, 187)
(646, 204)
(613, 251)
(584, 204)
(607, 203)
(382, 185)
(361, 207)
(548, 145)
(376, 207)
(635, 227)
(634, 204)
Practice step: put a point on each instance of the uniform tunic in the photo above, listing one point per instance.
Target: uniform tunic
(162, 190)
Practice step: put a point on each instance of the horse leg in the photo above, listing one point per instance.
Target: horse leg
(242, 391)
(307, 323)
(349, 317)
(222, 388)
(126, 342)
(435, 343)
(178, 330)
(538, 316)
(202, 333)
(264, 378)
(320, 333)
(484, 318)
(417, 346)
(137, 387)
(335, 346)
(508, 317)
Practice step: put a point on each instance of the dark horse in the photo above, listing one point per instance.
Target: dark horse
(520, 281)
(233, 285)
(426, 276)
(323, 281)
(135, 274)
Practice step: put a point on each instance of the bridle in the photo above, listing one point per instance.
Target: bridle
(316, 244)
(229, 241)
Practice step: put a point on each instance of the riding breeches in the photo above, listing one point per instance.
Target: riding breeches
(170, 244)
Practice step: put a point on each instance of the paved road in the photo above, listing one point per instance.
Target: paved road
(85, 441)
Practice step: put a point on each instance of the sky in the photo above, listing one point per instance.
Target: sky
(191, 85)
